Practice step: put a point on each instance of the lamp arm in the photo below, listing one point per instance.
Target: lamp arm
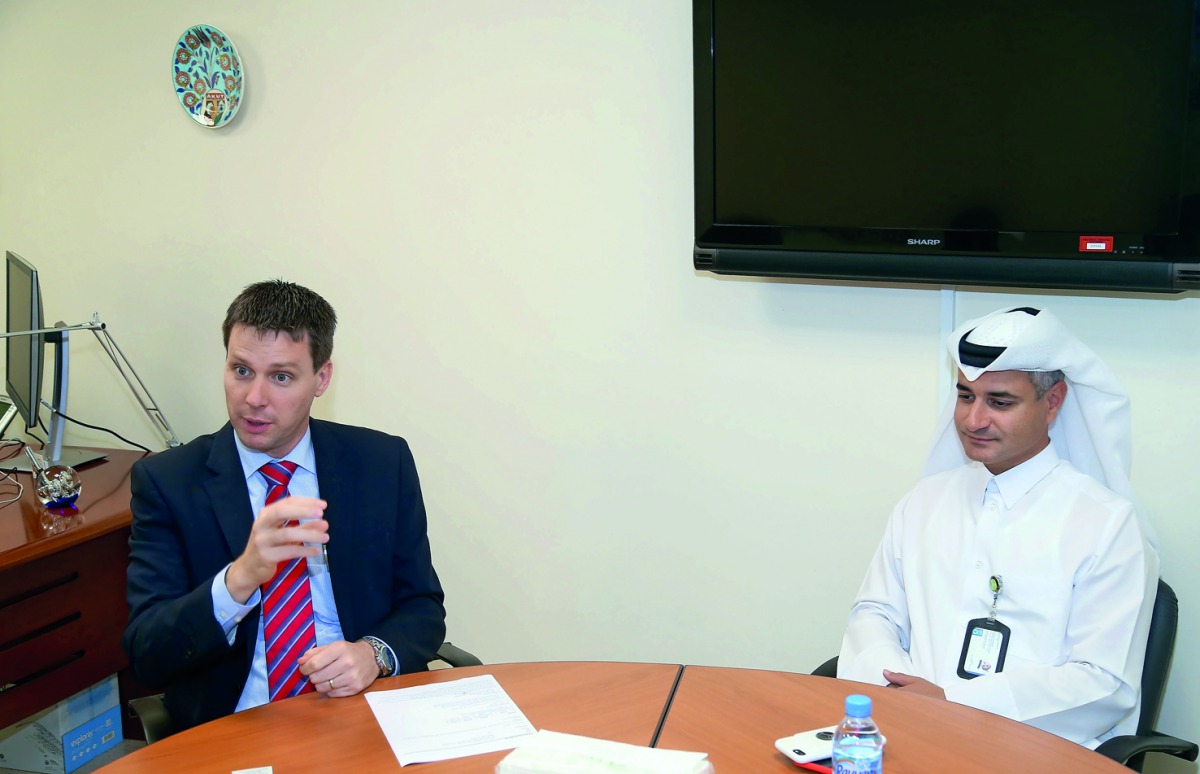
(109, 344)
(93, 325)
(140, 391)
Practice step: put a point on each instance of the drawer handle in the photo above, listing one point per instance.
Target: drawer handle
(31, 593)
(42, 672)
(27, 636)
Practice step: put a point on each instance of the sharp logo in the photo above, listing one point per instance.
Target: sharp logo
(931, 242)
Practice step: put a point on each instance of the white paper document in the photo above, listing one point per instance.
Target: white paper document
(549, 752)
(449, 720)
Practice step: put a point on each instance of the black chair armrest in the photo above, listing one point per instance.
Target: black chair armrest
(152, 713)
(828, 669)
(456, 656)
(1122, 748)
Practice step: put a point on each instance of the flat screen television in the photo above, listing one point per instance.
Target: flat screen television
(24, 364)
(1020, 144)
(23, 354)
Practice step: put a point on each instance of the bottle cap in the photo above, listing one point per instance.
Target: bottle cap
(858, 706)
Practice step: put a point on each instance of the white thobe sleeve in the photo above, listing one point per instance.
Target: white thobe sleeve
(1098, 682)
(877, 632)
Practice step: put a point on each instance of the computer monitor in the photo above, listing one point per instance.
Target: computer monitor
(24, 365)
(23, 360)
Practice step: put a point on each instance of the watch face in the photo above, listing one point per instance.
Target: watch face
(383, 659)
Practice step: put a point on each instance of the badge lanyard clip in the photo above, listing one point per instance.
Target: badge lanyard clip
(995, 583)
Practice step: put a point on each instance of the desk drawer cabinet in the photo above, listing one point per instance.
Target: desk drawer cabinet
(61, 618)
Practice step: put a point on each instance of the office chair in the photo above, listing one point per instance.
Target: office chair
(828, 669)
(151, 712)
(456, 656)
(1130, 750)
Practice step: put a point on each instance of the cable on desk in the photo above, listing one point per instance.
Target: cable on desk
(6, 477)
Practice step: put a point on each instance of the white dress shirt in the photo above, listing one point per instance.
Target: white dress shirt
(229, 613)
(1079, 580)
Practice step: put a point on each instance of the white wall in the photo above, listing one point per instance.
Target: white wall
(621, 458)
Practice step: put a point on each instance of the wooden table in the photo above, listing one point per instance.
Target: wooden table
(62, 589)
(622, 702)
(734, 715)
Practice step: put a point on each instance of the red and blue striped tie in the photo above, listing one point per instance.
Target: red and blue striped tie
(287, 605)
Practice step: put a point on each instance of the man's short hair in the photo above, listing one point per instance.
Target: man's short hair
(1044, 380)
(278, 306)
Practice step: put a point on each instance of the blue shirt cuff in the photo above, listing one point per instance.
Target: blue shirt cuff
(228, 612)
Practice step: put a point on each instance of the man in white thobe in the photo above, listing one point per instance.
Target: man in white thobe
(1017, 577)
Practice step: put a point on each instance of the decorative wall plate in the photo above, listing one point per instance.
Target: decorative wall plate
(208, 75)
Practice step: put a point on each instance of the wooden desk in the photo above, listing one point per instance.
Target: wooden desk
(62, 589)
(622, 702)
(735, 715)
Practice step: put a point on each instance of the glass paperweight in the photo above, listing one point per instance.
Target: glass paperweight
(58, 486)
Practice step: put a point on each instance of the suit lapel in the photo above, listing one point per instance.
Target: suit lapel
(227, 491)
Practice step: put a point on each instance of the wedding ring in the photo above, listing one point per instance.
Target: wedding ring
(331, 685)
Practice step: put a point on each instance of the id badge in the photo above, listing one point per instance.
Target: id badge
(984, 648)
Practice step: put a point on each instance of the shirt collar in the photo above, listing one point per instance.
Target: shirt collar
(301, 454)
(1015, 483)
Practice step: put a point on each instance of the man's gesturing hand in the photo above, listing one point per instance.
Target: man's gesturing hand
(271, 543)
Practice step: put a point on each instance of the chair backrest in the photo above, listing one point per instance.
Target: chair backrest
(1159, 646)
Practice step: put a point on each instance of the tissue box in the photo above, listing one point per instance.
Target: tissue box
(66, 736)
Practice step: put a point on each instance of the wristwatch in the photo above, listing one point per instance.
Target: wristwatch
(383, 656)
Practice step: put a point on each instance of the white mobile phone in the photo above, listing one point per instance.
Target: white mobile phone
(808, 746)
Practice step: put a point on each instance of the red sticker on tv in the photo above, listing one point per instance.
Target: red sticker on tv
(1095, 244)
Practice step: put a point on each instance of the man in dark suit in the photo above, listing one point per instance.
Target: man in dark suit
(218, 525)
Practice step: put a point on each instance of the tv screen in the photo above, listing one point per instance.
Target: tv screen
(1020, 144)
(23, 361)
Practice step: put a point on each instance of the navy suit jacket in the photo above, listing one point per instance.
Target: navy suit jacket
(192, 517)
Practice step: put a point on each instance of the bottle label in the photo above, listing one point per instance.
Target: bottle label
(867, 765)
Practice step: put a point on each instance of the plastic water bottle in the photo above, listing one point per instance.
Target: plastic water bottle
(857, 743)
